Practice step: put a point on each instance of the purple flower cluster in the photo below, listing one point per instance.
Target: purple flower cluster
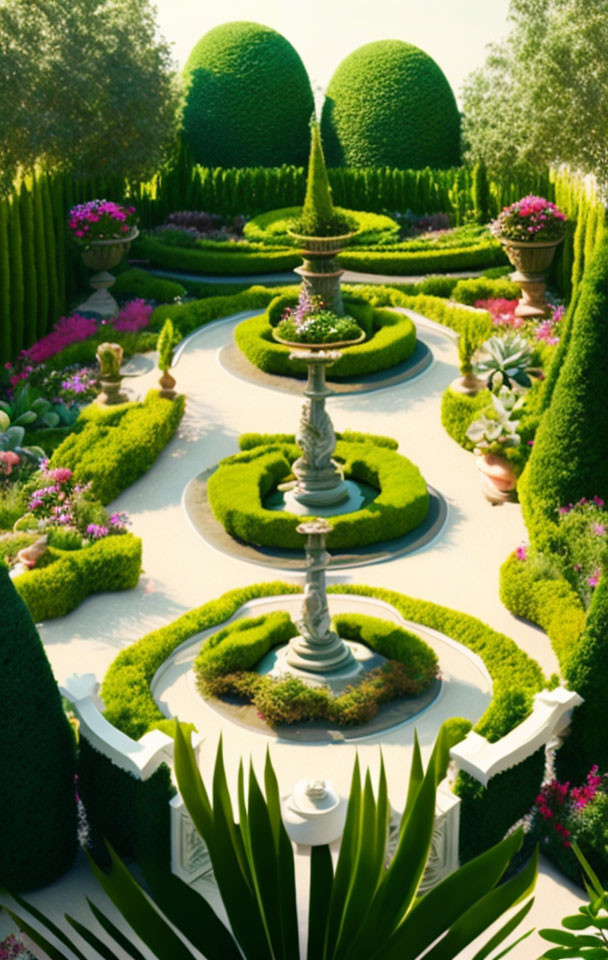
(101, 220)
(134, 316)
(306, 307)
(12, 947)
(78, 385)
(97, 531)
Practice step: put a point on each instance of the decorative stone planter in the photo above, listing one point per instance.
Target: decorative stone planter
(320, 271)
(468, 384)
(102, 256)
(319, 479)
(530, 259)
(110, 357)
(167, 383)
(498, 480)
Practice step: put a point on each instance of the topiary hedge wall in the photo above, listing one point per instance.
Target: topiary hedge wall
(37, 756)
(248, 99)
(389, 104)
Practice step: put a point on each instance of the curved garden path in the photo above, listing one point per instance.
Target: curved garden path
(459, 569)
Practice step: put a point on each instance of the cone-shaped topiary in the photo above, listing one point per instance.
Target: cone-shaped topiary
(569, 459)
(389, 104)
(586, 743)
(249, 98)
(37, 756)
(319, 218)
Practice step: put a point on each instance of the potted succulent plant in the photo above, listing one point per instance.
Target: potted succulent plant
(110, 360)
(104, 230)
(530, 230)
(491, 436)
(164, 346)
(321, 232)
(504, 361)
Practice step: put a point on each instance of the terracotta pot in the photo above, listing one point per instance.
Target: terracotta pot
(167, 382)
(468, 384)
(107, 254)
(498, 480)
(530, 257)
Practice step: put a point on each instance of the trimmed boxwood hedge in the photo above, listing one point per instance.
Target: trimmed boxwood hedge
(38, 826)
(115, 446)
(239, 486)
(458, 412)
(272, 227)
(140, 283)
(552, 604)
(227, 661)
(224, 259)
(516, 677)
(393, 341)
(57, 588)
(406, 262)
(247, 441)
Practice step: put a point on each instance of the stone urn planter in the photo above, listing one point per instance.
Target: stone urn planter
(101, 257)
(110, 378)
(320, 271)
(167, 384)
(468, 384)
(530, 259)
(498, 480)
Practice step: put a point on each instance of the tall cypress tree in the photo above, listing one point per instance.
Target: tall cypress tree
(37, 756)
(5, 286)
(50, 244)
(16, 268)
(569, 460)
(30, 280)
(319, 218)
(42, 319)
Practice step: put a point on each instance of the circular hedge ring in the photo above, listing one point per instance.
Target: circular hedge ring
(391, 339)
(241, 483)
(273, 227)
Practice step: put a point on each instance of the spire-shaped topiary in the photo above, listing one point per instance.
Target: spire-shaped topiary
(569, 458)
(37, 756)
(319, 217)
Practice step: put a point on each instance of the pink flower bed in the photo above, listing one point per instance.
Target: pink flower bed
(133, 317)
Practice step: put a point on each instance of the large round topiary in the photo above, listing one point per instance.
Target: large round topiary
(389, 104)
(249, 100)
(37, 756)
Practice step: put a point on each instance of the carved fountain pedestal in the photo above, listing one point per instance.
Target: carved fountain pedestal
(317, 648)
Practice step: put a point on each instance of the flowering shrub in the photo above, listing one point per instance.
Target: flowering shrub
(100, 220)
(78, 386)
(9, 462)
(530, 219)
(503, 315)
(12, 947)
(134, 316)
(583, 541)
(67, 330)
(312, 322)
(563, 815)
(60, 502)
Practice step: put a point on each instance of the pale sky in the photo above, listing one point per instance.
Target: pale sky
(453, 32)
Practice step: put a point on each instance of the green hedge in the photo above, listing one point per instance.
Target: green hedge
(131, 707)
(140, 283)
(569, 460)
(116, 446)
(133, 815)
(586, 743)
(485, 288)
(458, 412)
(56, 589)
(393, 341)
(551, 604)
(188, 317)
(424, 261)
(273, 227)
(239, 486)
(247, 441)
(220, 259)
(37, 756)
(389, 104)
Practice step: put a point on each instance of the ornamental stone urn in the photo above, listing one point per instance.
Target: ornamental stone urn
(530, 259)
(320, 272)
(102, 256)
(167, 383)
(110, 357)
(498, 479)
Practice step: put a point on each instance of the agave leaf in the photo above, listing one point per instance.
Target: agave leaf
(347, 857)
(504, 932)
(53, 952)
(483, 913)
(125, 943)
(264, 867)
(286, 866)
(25, 418)
(143, 916)
(433, 913)
(321, 880)
(102, 948)
(415, 782)
(49, 924)
(591, 875)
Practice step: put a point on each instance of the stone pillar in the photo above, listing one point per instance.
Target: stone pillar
(317, 648)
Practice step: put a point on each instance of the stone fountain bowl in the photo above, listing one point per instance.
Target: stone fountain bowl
(331, 345)
(322, 245)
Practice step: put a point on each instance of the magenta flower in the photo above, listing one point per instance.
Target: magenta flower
(594, 579)
(599, 529)
(521, 552)
(97, 531)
